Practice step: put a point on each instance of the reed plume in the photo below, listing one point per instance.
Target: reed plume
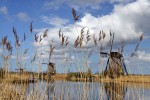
(95, 39)
(40, 38)
(24, 38)
(88, 36)
(45, 33)
(62, 39)
(4, 40)
(9, 47)
(34, 58)
(51, 51)
(103, 34)
(138, 44)
(100, 36)
(75, 16)
(31, 26)
(16, 37)
(66, 41)
(81, 37)
(76, 42)
(36, 37)
(59, 33)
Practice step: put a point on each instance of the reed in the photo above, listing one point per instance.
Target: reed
(9, 80)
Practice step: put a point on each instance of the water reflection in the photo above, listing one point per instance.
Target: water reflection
(50, 90)
(64, 90)
(115, 91)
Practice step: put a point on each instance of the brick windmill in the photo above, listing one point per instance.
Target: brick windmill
(115, 66)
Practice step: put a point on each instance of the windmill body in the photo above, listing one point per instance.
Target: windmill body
(21, 69)
(51, 68)
(115, 65)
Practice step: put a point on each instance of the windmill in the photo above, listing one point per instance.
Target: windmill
(50, 68)
(115, 64)
(21, 69)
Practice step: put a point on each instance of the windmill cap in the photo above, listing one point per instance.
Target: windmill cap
(116, 54)
(52, 64)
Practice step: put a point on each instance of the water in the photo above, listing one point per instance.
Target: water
(64, 90)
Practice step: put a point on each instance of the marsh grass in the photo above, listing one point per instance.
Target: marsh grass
(21, 79)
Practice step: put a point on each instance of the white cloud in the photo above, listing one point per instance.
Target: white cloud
(22, 58)
(56, 21)
(4, 10)
(142, 55)
(23, 16)
(128, 22)
(94, 4)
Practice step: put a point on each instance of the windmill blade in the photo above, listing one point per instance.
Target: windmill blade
(124, 66)
(104, 53)
(44, 63)
(112, 43)
(106, 67)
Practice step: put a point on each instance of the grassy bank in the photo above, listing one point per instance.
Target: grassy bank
(15, 77)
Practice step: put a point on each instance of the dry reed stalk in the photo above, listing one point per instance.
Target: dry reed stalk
(34, 58)
(122, 47)
(90, 53)
(6, 53)
(137, 46)
(24, 37)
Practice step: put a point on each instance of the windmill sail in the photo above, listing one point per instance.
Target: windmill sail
(106, 67)
(124, 66)
(115, 66)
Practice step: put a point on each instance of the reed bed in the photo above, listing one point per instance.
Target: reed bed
(23, 85)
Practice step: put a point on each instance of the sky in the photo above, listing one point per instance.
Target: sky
(127, 19)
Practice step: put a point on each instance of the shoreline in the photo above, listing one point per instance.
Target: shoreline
(25, 78)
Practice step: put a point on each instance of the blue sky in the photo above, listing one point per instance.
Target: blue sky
(128, 19)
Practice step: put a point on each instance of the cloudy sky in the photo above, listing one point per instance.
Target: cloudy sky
(127, 19)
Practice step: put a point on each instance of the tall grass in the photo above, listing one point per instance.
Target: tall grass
(85, 87)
